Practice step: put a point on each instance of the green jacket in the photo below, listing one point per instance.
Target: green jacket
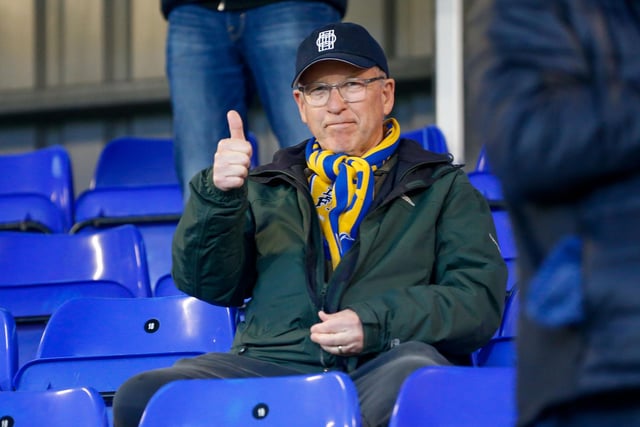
(425, 266)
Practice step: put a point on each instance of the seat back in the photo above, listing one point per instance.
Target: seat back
(63, 408)
(430, 137)
(509, 327)
(135, 161)
(36, 192)
(41, 271)
(101, 342)
(132, 161)
(165, 286)
(328, 399)
(8, 350)
(500, 351)
(444, 396)
(155, 212)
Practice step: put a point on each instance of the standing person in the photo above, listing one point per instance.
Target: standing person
(359, 250)
(219, 54)
(555, 86)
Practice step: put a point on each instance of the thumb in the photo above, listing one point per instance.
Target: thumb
(323, 316)
(235, 125)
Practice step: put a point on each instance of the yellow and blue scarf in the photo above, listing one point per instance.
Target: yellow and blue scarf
(342, 188)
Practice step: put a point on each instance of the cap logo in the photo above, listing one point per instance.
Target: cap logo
(326, 40)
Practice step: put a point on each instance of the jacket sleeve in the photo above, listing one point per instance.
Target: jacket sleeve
(554, 88)
(212, 253)
(459, 308)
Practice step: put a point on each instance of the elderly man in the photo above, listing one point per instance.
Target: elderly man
(357, 250)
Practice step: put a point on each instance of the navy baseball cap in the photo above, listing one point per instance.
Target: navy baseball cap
(342, 41)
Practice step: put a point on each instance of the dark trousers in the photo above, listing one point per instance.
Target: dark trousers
(377, 381)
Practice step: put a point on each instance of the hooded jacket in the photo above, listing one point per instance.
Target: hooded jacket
(425, 265)
(555, 88)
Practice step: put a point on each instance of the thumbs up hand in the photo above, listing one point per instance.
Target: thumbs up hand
(233, 156)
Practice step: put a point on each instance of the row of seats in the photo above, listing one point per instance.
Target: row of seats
(38, 194)
(94, 344)
(67, 357)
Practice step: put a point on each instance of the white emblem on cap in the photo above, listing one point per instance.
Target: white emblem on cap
(325, 40)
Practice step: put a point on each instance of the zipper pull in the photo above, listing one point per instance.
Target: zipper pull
(221, 6)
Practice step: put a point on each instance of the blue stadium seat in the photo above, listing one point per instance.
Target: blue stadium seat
(135, 161)
(255, 145)
(41, 271)
(328, 399)
(501, 349)
(36, 191)
(509, 327)
(446, 396)
(63, 408)
(430, 137)
(8, 350)
(101, 342)
(166, 287)
(135, 183)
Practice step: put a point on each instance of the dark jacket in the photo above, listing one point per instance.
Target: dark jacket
(554, 87)
(425, 266)
(237, 5)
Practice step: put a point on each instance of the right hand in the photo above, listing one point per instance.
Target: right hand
(233, 156)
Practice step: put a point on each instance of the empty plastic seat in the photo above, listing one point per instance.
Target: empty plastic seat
(135, 161)
(8, 350)
(445, 396)
(501, 349)
(36, 191)
(328, 399)
(101, 342)
(430, 137)
(135, 183)
(166, 287)
(64, 408)
(41, 271)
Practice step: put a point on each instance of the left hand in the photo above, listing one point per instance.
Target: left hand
(339, 333)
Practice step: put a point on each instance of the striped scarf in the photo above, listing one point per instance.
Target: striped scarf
(342, 188)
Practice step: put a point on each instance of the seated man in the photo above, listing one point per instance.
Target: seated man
(357, 250)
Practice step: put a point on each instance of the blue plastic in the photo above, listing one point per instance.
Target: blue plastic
(132, 161)
(498, 352)
(446, 396)
(63, 408)
(152, 203)
(155, 211)
(509, 327)
(36, 190)
(430, 137)
(482, 163)
(8, 350)
(41, 271)
(135, 161)
(165, 286)
(328, 399)
(488, 185)
(101, 342)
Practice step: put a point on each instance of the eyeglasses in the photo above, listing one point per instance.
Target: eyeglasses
(351, 90)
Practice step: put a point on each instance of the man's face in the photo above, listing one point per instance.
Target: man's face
(352, 128)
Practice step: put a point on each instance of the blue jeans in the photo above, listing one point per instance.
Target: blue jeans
(216, 61)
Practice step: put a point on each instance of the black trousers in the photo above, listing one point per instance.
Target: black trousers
(377, 381)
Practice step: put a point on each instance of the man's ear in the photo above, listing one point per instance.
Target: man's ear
(297, 96)
(388, 95)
